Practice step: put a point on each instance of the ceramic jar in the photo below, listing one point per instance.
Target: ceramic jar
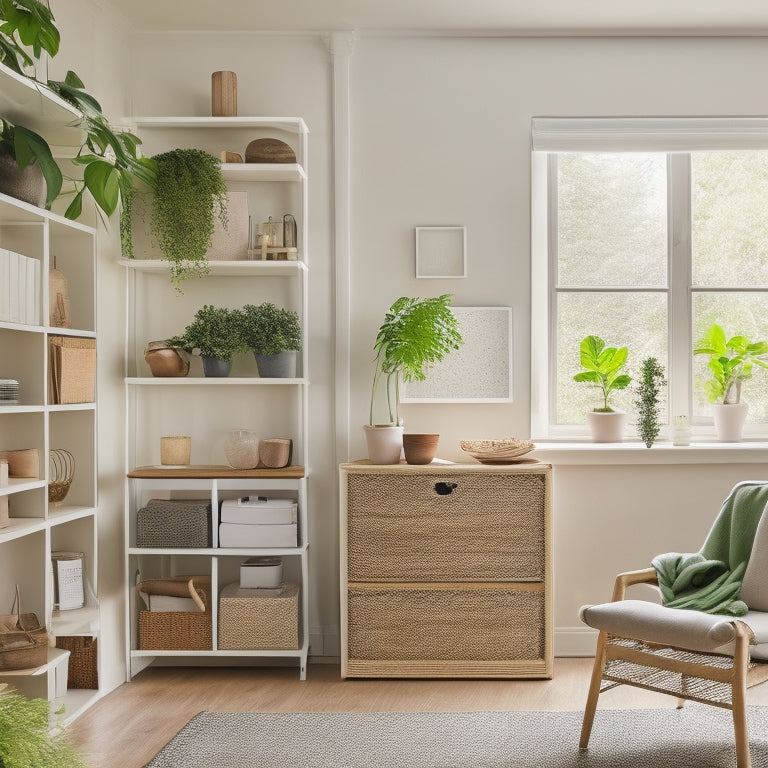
(242, 449)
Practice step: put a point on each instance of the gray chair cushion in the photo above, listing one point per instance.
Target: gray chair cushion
(753, 586)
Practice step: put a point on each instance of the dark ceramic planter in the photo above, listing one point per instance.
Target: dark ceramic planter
(279, 366)
(212, 366)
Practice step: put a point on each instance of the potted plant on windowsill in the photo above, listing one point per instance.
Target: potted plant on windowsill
(731, 362)
(214, 334)
(416, 333)
(110, 161)
(273, 334)
(602, 368)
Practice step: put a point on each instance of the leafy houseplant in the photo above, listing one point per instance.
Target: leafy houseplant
(25, 738)
(647, 402)
(214, 334)
(189, 194)
(110, 161)
(273, 334)
(602, 367)
(731, 361)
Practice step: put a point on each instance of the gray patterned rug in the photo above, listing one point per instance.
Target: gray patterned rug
(694, 737)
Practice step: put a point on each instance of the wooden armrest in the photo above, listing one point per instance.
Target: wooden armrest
(624, 580)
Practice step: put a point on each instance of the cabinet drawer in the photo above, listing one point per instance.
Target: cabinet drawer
(457, 622)
(487, 527)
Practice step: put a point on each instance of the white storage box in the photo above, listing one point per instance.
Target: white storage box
(259, 510)
(261, 573)
(247, 536)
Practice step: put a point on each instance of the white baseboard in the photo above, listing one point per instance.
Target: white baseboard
(575, 641)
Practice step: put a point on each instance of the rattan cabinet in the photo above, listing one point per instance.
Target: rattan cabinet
(446, 570)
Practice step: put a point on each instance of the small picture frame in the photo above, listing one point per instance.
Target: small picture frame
(441, 252)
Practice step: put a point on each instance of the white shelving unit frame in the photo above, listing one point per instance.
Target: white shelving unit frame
(36, 527)
(146, 273)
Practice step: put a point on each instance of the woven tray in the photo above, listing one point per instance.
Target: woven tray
(259, 619)
(83, 669)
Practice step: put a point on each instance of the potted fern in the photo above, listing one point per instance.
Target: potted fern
(731, 362)
(214, 334)
(602, 368)
(416, 333)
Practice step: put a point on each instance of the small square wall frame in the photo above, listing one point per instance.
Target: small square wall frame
(441, 252)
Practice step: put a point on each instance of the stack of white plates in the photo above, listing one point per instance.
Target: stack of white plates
(9, 392)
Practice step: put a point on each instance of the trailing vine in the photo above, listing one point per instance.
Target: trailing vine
(189, 196)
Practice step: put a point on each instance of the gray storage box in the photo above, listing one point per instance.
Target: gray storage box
(174, 523)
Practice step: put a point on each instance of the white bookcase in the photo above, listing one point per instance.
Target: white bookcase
(36, 527)
(207, 409)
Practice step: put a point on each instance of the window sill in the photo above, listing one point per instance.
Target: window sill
(587, 453)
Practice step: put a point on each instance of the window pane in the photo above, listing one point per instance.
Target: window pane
(612, 220)
(729, 199)
(739, 314)
(634, 320)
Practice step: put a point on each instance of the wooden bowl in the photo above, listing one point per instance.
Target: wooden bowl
(269, 151)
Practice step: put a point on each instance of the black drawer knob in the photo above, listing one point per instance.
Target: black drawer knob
(444, 489)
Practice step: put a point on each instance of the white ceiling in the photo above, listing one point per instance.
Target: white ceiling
(548, 17)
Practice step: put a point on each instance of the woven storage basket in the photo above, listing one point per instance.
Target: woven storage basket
(174, 523)
(83, 669)
(177, 630)
(429, 622)
(259, 619)
(489, 528)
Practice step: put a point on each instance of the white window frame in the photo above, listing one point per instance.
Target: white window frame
(671, 135)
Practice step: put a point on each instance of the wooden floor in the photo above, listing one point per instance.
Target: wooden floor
(129, 726)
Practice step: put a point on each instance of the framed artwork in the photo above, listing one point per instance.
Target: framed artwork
(441, 252)
(480, 371)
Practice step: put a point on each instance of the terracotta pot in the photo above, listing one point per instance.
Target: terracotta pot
(166, 361)
(420, 449)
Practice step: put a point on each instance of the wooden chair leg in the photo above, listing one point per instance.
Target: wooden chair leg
(739, 698)
(594, 691)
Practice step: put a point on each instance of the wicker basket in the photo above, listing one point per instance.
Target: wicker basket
(259, 619)
(83, 661)
(177, 630)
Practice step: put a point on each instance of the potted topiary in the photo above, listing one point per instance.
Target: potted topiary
(647, 401)
(214, 334)
(273, 335)
(602, 367)
(110, 161)
(26, 738)
(731, 362)
(415, 334)
(188, 197)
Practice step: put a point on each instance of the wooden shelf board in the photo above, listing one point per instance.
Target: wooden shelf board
(291, 124)
(210, 381)
(237, 268)
(210, 472)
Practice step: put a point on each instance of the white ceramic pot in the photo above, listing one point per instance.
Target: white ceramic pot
(606, 426)
(385, 443)
(729, 421)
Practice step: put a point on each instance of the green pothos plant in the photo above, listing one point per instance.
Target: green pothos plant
(416, 333)
(110, 161)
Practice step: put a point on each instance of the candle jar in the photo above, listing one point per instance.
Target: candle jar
(242, 449)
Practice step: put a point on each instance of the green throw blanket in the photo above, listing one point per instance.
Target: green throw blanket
(710, 579)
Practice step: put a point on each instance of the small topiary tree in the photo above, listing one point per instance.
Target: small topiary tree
(647, 401)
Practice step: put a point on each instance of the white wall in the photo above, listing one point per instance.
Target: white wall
(440, 134)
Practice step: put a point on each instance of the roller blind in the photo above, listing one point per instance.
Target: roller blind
(648, 134)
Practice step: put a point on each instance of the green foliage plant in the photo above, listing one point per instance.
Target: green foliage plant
(602, 367)
(731, 362)
(647, 401)
(110, 162)
(189, 195)
(26, 740)
(214, 332)
(416, 333)
(267, 329)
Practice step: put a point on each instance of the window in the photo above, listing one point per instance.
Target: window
(645, 245)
